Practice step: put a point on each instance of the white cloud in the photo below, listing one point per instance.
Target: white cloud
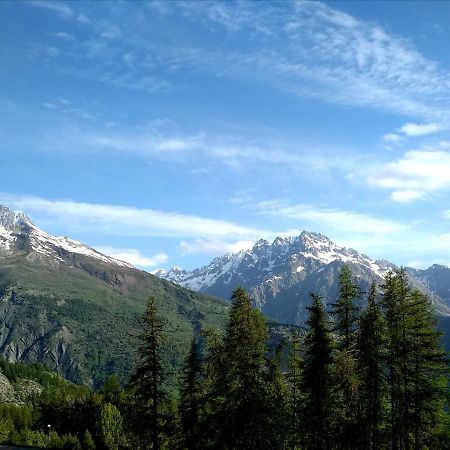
(392, 138)
(58, 7)
(134, 256)
(126, 220)
(148, 142)
(306, 48)
(416, 175)
(213, 247)
(416, 129)
(331, 219)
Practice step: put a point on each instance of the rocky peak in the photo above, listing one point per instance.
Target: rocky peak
(11, 220)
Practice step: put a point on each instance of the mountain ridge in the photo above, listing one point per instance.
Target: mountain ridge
(280, 275)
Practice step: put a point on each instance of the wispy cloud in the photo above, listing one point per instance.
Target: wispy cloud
(61, 8)
(330, 218)
(306, 48)
(414, 176)
(128, 221)
(213, 247)
(64, 106)
(134, 256)
(168, 142)
(392, 138)
(417, 129)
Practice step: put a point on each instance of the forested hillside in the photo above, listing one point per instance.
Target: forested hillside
(371, 378)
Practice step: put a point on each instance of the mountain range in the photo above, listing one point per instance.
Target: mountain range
(64, 304)
(280, 275)
(76, 310)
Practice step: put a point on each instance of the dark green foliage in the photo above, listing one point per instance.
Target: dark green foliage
(345, 313)
(21, 416)
(416, 363)
(382, 384)
(149, 376)
(244, 424)
(295, 396)
(192, 399)
(371, 357)
(318, 408)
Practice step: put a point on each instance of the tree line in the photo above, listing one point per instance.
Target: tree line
(354, 378)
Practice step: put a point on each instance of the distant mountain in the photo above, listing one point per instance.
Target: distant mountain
(65, 304)
(18, 235)
(280, 276)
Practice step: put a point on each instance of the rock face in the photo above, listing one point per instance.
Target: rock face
(280, 276)
(64, 304)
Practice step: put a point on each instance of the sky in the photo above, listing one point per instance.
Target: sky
(167, 133)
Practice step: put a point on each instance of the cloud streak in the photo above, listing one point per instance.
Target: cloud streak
(330, 218)
(415, 176)
(128, 221)
(134, 256)
(306, 48)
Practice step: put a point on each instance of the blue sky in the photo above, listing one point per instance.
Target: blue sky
(167, 133)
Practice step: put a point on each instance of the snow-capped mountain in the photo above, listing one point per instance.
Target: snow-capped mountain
(18, 234)
(280, 276)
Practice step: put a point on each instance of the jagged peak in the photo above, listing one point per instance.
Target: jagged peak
(282, 240)
(10, 219)
(315, 236)
(261, 243)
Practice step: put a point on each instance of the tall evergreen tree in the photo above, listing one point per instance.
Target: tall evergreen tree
(317, 379)
(371, 354)
(295, 395)
(416, 364)
(345, 310)
(191, 399)
(149, 374)
(276, 404)
(345, 314)
(245, 349)
(428, 367)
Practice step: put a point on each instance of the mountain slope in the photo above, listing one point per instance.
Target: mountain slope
(76, 310)
(280, 276)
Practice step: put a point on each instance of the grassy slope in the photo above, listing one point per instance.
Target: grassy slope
(83, 320)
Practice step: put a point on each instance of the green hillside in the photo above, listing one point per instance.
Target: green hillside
(81, 319)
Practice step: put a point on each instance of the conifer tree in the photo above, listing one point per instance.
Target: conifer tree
(317, 379)
(149, 375)
(345, 314)
(416, 363)
(245, 349)
(371, 340)
(214, 411)
(345, 310)
(428, 367)
(276, 404)
(295, 395)
(191, 399)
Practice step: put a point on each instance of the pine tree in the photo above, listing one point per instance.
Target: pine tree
(149, 375)
(276, 405)
(371, 355)
(345, 311)
(428, 368)
(214, 411)
(245, 349)
(317, 379)
(417, 365)
(295, 394)
(192, 399)
(345, 314)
